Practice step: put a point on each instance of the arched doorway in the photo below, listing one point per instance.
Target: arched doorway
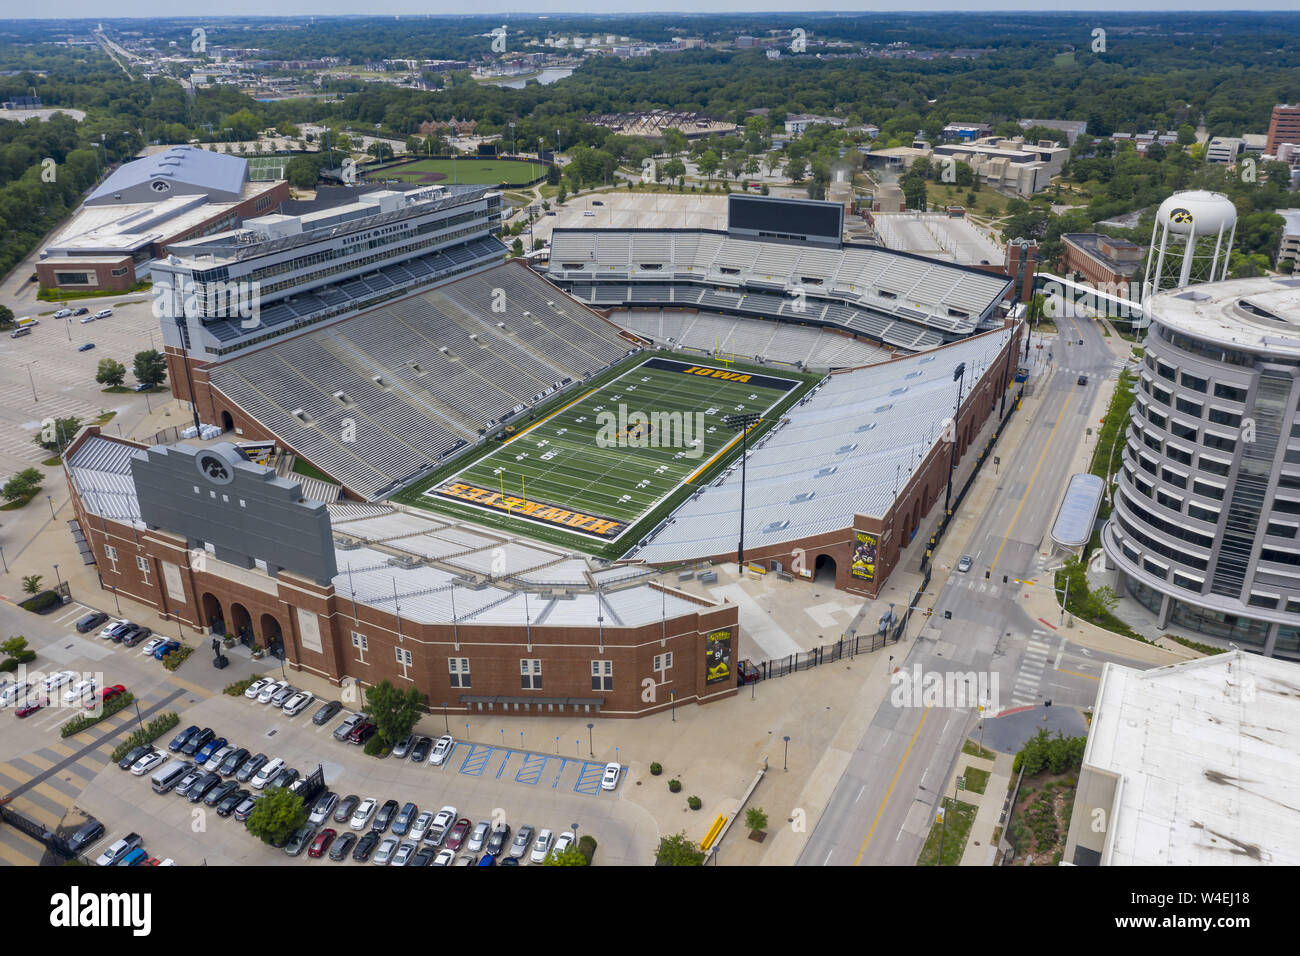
(825, 571)
(212, 615)
(241, 624)
(271, 636)
(227, 423)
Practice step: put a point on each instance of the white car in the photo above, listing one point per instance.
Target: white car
(146, 763)
(14, 692)
(442, 750)
(103, 313)
(296, 704)
(610, 780)
(152, 645)
(63, 313)
(385, 852)
(542, 846)
(589, 213)
(256, 687)
(444, 858)
(562, 842)
(87, 318)
(478, 836)
(364, 811)
(55, 681)
(119, 849)
(270, 770)
(79, 690)
(421, 825)
(108, 628)
(403, 854)
(270, 690)
(441, 824)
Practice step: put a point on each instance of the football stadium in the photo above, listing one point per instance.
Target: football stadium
(456, 453)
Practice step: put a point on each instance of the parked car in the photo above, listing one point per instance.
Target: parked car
(232, 761)
(139, 635)
(442, 824)
(442, 750)
(103, 313)
(183, 737)
(233, 800)
(152, 646)
(283, 694)
(119, 849)
(325, 712)
(350, 723)
(249, 767)
(270, 690)
(86, 348)
(197, 741)
(30, 706)
(192, 776)
(456, 835)
(266, 773)
(132, 755)
(403, 747)
(323, 808)
(365, 846)
(301, 837)
(321, 843)
(14, 691)
(478, 837)
(165, 649)
(344, 809)
(62, 313)
(81, 311)
(362, 814)
(89, 318)
(407, 815)
(112, 627)
(108, 693)
(296, 704)
(339, 851)
(135, 858)
(245, 806)
(79, 691)
(362, 733)
(57, 680)
(385, 816)
(488, 859)
(146, 763)
(466, 859)
(403, 855)
(542, 846)
(523, 839)
(208, 750)
(256, 687)
(423, 856)
(445, 858)
(91, 621)
(385, 852)
(499, 839)
(85, 835)
(420, 749)
(222, 790)
(563, 842)
(609, 781)
(119, 636)
(283, 779)
(203, 785)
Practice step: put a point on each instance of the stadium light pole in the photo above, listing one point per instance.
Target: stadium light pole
(742, 422)
(958, 375)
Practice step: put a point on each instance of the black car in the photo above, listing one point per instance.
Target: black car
(1083, 380)
(384, 817)
(183, 737)
(342, 843)
(420, 751)
(194, 744)
(232, 762)
(230, 801)
(365, 846)
(498, 841)
(343, 812)
(81, 311)
(218, 793)
(91, 621)
(423, 857)
(250, 767)
(285, 777)
(326, 711)
(509, 861)
(201, 786)
(134, 754)
(119, 636)
(85, 835)
(139, 636)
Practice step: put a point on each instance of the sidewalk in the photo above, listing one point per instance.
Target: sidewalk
(981, 848)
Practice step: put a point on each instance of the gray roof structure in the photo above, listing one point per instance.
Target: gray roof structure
(1078, 511)
(180, 171)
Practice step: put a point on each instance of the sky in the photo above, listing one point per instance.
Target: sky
(56, 9)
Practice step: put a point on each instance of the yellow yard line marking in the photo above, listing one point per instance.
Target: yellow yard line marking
(721, 451)
(550, 416)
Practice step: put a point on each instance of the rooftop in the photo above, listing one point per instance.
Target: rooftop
(1260, 314)
(217, 172)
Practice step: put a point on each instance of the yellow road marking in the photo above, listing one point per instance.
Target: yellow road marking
(1062, 670)
(902, 763)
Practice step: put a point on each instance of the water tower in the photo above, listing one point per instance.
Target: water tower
(1198, 220)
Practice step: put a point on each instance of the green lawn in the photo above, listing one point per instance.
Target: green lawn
(469, 172)
(960, 817)
(589, 477)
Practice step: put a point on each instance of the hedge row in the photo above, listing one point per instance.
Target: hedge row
(177, 657)
(79, 723)
(238, 687)
(40, 602)
(152, 731)
(10, 664)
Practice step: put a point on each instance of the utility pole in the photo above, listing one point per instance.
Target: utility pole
(742, 422)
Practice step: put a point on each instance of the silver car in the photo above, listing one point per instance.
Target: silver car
(519, 848)
(421, 825)
(478, 837)
(283, 694)
(384, 855)
(324, 807)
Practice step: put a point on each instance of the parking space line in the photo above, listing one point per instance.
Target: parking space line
(476, 760)
(589, 778)
(501, 769)
(531, 771)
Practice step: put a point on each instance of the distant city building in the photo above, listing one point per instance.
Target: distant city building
(1224, 149)
(1071, 128)
(744, 43)
(22, 103)
(1283, 127)
(796, 123)
(1289, 251)
(1255, 142)
(965, 132)
(1010, 164)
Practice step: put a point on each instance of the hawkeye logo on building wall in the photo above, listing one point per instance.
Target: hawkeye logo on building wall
(538, 511)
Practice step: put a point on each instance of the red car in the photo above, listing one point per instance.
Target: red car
(109, 694)
(457, 834)
(321, 843)
(30, 706)
(363, 733)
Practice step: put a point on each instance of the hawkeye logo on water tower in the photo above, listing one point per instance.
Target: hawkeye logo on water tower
(1180, 216)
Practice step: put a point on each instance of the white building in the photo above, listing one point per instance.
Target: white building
(1011, 165)
(1224, 149)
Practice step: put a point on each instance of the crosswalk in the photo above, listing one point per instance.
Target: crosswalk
(1025, 691)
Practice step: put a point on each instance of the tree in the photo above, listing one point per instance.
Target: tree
(111, 372)
(552, 175)
(14, 646)
(756, 819)
(517, 247)
(393, 711)
(302, 172)
(23, 485)
(276, 814)
(6, 317)
(678, 850)
(708, 163)
(32, 583)
(1186, 134)
(150, 367)
(569, 856)
(562, 195)
(56, 434)
(675, 169)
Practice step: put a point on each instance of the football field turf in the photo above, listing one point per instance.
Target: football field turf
(606, 460)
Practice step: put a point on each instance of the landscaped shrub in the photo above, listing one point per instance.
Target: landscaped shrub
(79, 723)
(375, 747)
(587, 846)
(152, 731)
(656, 769)
(238, 687)
(177, 657)
(41, 602)
(694, 802)
(675, 786)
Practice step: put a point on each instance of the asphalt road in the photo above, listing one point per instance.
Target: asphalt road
(881, 808)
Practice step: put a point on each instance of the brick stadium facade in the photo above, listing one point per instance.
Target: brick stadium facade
(359, 642)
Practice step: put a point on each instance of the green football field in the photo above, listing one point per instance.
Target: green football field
(602, 463)
(467, 172)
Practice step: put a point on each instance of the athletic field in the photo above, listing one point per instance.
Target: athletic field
(468, 172)
(598, 466)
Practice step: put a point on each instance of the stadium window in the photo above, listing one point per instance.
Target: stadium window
(530, 674)
(602, 675)
(359, 641)
(458, 668)
(663, 662)
(110, 552)
(403, 656)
